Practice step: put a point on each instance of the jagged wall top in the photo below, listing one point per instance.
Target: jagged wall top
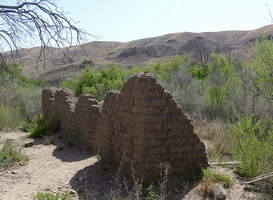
(142, 124)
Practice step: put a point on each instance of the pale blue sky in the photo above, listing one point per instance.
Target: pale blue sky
(126, 20)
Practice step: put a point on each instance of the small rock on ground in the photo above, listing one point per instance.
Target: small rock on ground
(29, 143)
(220, 193)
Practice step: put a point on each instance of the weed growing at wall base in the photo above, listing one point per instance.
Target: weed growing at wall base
(104, 159)
(209, 182)
(40, 126)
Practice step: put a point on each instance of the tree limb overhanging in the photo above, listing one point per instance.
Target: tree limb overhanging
(37, 22)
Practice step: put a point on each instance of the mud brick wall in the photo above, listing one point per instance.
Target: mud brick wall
(48, 103)
(64, 110)
(78, 120)
(144, 123)
(86, 115)
(106, 123)
(141, 124)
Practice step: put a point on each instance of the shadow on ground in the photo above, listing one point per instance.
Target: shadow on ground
(66, 150)
(104, 182)
(92, 183)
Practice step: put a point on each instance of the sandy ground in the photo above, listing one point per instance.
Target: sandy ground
(65, 167)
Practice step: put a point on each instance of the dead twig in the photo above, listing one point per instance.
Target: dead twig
(259, 178)
(225, 163)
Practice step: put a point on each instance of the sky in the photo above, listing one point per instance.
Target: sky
(127, 20)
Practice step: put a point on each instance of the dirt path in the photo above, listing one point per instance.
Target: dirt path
(50, 166)
(63, 166)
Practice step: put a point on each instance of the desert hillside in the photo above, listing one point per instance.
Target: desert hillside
(138, 52)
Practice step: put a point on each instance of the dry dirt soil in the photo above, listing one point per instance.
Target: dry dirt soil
(67, 166)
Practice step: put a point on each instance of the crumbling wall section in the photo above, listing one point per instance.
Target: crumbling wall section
(48, 103)
(106, 123)
(78, 120)
(147, 126)
(141, 124)
(64, 110)
(86, 115)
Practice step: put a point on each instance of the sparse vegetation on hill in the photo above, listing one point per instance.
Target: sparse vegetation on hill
(147, 51)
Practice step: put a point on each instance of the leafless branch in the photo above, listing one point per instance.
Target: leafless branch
(201, 50)
(259, 178)
(270, 14)
(29, 22)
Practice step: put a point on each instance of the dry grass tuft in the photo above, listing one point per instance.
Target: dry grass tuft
(214, 133)
(209, 129)
(207, 187)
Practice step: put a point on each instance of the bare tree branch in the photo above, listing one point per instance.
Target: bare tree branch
(270, 14)
(259, 178)
(28, 22)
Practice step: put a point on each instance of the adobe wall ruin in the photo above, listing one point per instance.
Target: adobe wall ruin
(79, 121)
(142, 123)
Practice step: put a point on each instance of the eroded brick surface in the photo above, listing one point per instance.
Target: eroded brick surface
(141, 124)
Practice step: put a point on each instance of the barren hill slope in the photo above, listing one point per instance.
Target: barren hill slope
(138, 52)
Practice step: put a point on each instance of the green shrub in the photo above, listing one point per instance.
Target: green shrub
(151, 195)
(224, 179)
(252, 141)
(40, 126)
(165, 69)
(10, 154)
(48, 195)
(27, 100)
(209, 182)
(97, 83)
(219, 87)
(198, 72)
(261, 66)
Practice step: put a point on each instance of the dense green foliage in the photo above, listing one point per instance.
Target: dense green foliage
(262, 67)
(219, 86)
(252, 142)
(41, 127)
(97, 83)
(218, 89)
